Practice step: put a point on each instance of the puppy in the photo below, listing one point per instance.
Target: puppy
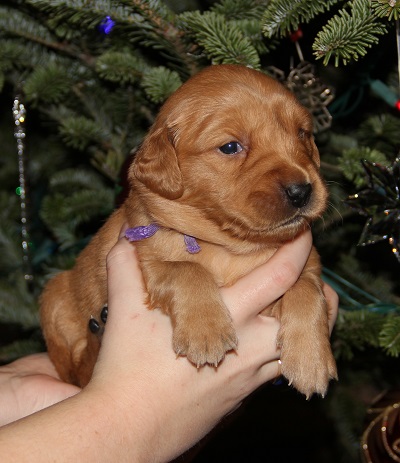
(228, 172)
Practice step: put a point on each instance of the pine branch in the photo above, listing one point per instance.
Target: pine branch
(381, 132)
(348, 35)
(120, 66)
(251, 28)
(285, 16)
(386, 9)
(17, 303)
(64, 17)
(10, 248)
(79, 132)
(12, 55)
(356, 330)
(64, 212)
(240, 9)
(159, 31)
(104, 122)
(108, 163)
(245, 15)
(150, 23)
(50, 84)
(159, 83)
(154, 11)
(20, 24)
(20, 348)
(389, 337)
(350, 163)
(75, 179)
(222, 41)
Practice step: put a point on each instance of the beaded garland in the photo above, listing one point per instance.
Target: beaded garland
(19, 114)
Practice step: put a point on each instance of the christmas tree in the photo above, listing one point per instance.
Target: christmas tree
(82, 82)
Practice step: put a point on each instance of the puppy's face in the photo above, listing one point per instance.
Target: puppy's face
(235, 146)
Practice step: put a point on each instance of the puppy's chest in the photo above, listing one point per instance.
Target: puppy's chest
(225, 266)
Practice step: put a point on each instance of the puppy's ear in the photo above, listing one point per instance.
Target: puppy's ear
(156, 165)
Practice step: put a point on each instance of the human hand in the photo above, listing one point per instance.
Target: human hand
(143, 403)
(30, 384)
(164, 399)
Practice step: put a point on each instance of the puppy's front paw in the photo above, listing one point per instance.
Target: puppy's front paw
(205, 339)
(309, 370)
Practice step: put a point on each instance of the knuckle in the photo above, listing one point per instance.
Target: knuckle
(286, 274)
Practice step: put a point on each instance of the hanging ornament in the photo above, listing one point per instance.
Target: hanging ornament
(311, 93)
(380, 203)
(381, 439)
(106, 25)
(19, 114)
(309, 90)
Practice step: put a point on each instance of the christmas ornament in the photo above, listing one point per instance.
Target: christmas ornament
(381, 439)
(311, 93)
(107, 25)
(19, 114)
(380, 202)
(309, 90)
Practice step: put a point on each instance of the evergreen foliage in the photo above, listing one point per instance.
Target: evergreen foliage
(222, 41)
(283, 17)
(389, 337)
(386, 9)
(159, 83)
(350, 164)
(349, 34)
(93, 76)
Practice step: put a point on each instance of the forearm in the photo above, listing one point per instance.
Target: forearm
(84, 427)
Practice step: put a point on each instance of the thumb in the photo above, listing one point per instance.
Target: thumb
(124, 280)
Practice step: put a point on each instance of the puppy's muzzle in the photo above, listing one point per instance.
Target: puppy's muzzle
(299, 194)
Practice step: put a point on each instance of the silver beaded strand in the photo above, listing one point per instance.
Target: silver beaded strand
(19, 114)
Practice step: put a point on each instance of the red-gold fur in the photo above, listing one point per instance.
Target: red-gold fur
(237, 207)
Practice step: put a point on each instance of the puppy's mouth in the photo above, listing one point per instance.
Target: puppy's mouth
(273, 233)
(293, 221)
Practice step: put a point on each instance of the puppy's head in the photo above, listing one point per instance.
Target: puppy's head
(232, 155)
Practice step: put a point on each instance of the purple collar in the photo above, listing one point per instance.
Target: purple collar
(147, 231)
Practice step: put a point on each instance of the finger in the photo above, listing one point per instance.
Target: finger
(257, 340)
(267, 372)
(124, 279)
(333, 304)
(271, 280)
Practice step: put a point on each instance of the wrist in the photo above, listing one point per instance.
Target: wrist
(125, 431)
(155, 428)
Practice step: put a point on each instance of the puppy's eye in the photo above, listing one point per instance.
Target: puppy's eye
(233, 147)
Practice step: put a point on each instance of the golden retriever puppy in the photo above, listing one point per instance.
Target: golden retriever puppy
(228, 172)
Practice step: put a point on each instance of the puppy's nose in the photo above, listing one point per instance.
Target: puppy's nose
(299, 194)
